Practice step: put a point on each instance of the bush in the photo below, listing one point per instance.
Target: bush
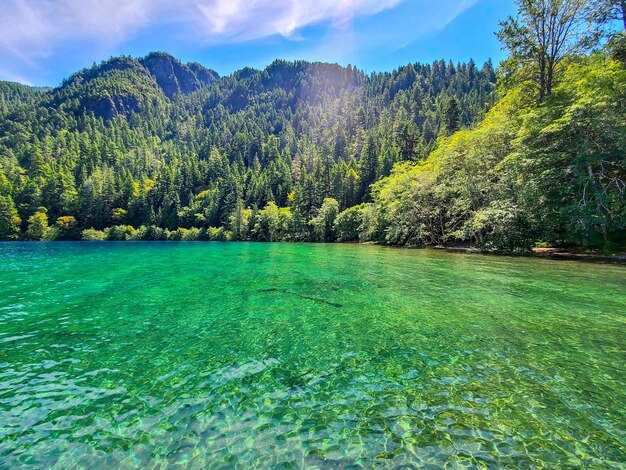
(92, 235)
(119, 233)
(192, 235)
(348, 223)
(150, 232)
(37, 225)
(184, 234)
(218, 234)
(66, 228)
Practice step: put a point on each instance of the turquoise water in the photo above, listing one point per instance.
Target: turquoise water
(209, 355)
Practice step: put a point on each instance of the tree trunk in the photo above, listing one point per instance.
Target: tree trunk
(549, 79)
(542, 80)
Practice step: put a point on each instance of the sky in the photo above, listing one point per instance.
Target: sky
(44, 41)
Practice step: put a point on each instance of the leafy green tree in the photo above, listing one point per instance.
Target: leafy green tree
(452, 117)
(503, 227)
(569, 165)
(603, 13)
(541, 36)
(240, 221)
(119, 215)
(348, 224)
(9, 219)
(268, 223)
(368, 166)
(37, 226)
(351, 188)
(120, 233)
(91, 234)
(431, 202)
(324, 223)
(67, 228)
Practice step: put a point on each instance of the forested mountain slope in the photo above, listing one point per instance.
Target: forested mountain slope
(554, 173)
(153, 142)
(13, 95)
(429, 154)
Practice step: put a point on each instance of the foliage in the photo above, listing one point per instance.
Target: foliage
(9, 219)
(123, 143)
(430, 203)
(218, 234)
(554, 173)
(37, 226)
(569, 170)
(541, 36)
(348, 224)
(502, 226)
(66, 228)
(324, 223)
(91, 234)
(119, 233)
(421, 156)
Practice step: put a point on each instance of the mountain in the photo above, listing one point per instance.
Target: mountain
(13, 95)
(121, 86)
(174, 77)
(155, 142)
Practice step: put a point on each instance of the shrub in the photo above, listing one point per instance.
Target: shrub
(66, 228)
(119, 233)
(37, 226)
(219, 234)
(184, 234)
(150, 232)
(192, 235)
(348, 223)
(91, 234)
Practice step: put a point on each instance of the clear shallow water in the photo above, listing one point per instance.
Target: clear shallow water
(220, 355)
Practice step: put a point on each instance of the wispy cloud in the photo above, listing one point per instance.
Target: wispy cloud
(33, 32)
(254, 19)
(30, 29)
(33, 29)
(415, 20)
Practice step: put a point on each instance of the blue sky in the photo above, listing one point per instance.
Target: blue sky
(43, 41)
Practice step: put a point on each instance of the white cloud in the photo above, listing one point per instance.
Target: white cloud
(32, 28)
(33, 31)
(242, 20)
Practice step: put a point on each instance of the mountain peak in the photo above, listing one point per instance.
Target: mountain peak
(174, 77)
(125, 85)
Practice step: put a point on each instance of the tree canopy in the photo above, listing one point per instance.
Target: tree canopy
(428, 154)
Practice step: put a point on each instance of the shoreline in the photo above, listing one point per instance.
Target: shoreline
(555, 254)
(545, 253)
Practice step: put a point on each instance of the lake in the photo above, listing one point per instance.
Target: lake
(125, 355)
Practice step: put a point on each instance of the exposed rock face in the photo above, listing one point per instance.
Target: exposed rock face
(206, 76)
(174, 77)
(123, 85)
(109, 108)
